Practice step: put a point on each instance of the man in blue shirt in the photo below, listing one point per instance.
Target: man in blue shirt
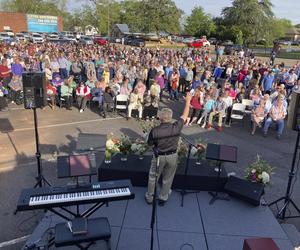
(267, 82)
(182, 75)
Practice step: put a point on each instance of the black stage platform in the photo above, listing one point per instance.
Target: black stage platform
(199, 177)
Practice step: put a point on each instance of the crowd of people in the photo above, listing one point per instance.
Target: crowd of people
(77, 74)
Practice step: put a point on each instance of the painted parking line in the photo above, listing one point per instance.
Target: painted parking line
(14, 241)
(67, 124)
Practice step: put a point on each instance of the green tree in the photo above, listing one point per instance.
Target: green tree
(199, 23)
(252, 17)
(160, 15)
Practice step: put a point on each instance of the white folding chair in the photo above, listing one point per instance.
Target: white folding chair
(248, 105)
(237, 112)
(121, 103)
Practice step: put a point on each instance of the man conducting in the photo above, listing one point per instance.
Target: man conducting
(164, 139)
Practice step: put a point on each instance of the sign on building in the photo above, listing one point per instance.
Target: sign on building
(41, 23)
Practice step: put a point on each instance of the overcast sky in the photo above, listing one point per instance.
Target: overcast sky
(289, 9)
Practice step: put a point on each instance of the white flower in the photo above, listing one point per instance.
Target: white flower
(253, 171)
(109, 144)
(134, 147)
(265, 177)
(194, 151)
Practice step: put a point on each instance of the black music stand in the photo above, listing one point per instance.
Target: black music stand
(183, 191)
(220, 153)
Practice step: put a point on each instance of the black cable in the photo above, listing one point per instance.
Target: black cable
(187, 244)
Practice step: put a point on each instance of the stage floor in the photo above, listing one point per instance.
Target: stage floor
(197, 225)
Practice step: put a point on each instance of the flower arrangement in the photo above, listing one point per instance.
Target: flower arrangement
(182, 149)
(111, 147)
(146, 126)
(199, 151)
(139, 147)
(259, 171)
(124, 145)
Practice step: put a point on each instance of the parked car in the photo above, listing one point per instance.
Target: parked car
(36, 38)
(100, 40)
(199, 43)
(86, 40)
(227, 42)
(19, 37)
(188, 40)
(231, 49)
(4, 37)
(25, 34)
(9, 32)
(139, 42)
(52, 37)
(296, 43)
(70, 38)
(213, 40)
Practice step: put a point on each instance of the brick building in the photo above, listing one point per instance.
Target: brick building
(32, 23)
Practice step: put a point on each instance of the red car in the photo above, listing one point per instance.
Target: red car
(100, 40)
(199, 43)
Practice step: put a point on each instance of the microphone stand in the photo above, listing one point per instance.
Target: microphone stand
(183, 191)
(154, 205)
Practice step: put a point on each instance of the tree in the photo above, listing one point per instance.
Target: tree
(252, 17)
(160, 15)
(199, 23)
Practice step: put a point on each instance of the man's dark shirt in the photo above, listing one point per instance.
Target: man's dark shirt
(165, 136)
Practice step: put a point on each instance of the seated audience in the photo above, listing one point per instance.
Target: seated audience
(51, 94)
(277, 115)
(219, 109)
(258, 114)
(67, 94)
(135, 102)
(83, 93)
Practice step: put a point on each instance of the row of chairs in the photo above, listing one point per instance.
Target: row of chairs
(239, 110)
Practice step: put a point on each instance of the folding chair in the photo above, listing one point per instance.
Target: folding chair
(237, 112)
(248, 105)
(121, 103)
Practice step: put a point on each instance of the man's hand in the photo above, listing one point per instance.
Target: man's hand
(188, 98)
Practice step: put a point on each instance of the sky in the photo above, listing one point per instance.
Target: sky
(289, 9)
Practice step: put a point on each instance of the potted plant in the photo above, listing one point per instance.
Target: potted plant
(139, 147)
(124, 145)
(259, 171)
(111, 148)
(199, 151)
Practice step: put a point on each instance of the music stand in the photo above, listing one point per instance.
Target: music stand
(220, 153)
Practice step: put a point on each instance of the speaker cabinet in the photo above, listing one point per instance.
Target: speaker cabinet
(245, 190)
(34, 88)
(293, 121)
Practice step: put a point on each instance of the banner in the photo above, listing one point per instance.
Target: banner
(41, 23)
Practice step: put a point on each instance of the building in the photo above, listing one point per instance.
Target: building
(31, 23)
(120, 30)
(293, 34)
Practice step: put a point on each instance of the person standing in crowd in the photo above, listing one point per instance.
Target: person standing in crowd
(164, 139)
(3, 103)
(63, 66)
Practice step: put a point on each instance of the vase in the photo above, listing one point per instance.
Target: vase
(198, 161)
(124, 157)
(107, 157)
